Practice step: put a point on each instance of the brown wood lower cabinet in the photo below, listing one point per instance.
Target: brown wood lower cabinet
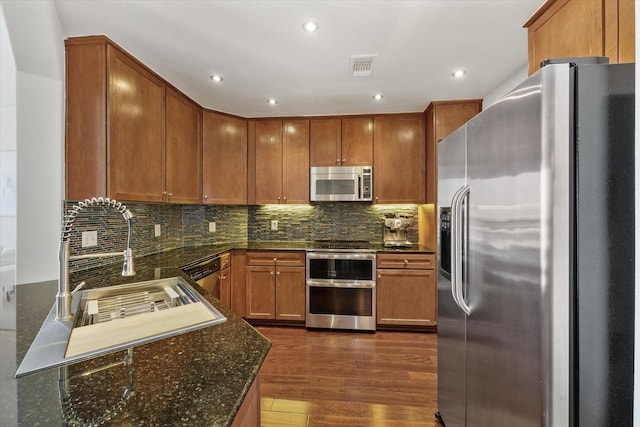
(274, 292)
(406, 295)
(249, 412)
(225, 286)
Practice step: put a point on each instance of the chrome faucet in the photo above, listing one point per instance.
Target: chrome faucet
(64, 296)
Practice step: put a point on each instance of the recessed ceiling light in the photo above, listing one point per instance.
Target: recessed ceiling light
(458, 73)
(310, 26)
(216, 78)
(378, 96)
(272, 101)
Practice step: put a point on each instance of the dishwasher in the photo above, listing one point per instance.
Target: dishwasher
(206, 273)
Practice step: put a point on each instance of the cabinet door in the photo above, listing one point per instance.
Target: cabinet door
(295, 162)
(325, 142)
(399, 159)
(184, 161)
(290, 293)
(268, 162)
(85, 124)
(261, 292)
(225, 286)
(225, 159)
(238, 278)
(406, 297)
(136, 131)
(357, 141)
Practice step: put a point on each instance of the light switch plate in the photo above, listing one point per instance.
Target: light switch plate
(212, 227)
(156, 230)
(89, 238)
(274, 225)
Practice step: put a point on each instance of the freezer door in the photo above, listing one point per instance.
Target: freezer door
(451, 319)
(513, 153)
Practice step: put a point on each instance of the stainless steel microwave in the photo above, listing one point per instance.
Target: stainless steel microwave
(341, 184)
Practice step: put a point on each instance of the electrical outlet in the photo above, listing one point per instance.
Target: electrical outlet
(156, 230)
(212, 227)
(89, 238)
(274, 225)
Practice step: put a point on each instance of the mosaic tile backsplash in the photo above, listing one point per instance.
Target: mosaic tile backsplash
(188, 225)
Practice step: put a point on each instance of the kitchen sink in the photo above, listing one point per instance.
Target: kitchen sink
(117, 317)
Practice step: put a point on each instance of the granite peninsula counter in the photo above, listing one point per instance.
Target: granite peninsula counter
(197, 378)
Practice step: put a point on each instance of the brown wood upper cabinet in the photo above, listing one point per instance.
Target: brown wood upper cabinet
(128, 135)
(183, 155)
(442, 118)
(279, 161)
(225, 152)
(399, 158)
(570, 28)
(341, 142)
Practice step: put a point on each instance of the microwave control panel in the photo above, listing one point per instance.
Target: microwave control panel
(366, 184)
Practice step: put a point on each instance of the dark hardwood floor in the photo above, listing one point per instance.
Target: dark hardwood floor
(328, 378)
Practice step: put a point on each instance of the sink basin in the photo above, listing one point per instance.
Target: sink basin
(118, 317)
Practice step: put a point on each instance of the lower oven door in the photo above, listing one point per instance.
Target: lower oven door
(341, 306)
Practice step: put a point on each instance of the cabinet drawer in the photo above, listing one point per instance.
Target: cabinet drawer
(225, 260)
(406, 260)
(279, 258)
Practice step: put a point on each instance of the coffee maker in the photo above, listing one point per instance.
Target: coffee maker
(395, 230)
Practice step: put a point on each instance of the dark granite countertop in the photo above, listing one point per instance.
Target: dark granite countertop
(197, 378)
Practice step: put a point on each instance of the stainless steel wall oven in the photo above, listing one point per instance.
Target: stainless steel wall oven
(341, 289)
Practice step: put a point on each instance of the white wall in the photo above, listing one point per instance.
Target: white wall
(514, 80)
(38, 48)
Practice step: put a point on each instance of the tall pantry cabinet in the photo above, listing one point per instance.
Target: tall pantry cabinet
(127, 129)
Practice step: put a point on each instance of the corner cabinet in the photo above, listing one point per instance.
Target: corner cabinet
(129, 135)
(341, 142)
(406, 290)
(225, 150)
(278, 162)
(571, 28)
(275, 286)
(399, 158)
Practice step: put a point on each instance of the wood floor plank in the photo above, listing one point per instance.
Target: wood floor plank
(338, 378)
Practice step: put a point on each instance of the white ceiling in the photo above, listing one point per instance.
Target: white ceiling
(260, 49)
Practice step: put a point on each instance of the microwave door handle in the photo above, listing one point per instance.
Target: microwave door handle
(359, 187)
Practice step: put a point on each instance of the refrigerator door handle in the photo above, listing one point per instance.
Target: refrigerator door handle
(456, 248)
(453, 248)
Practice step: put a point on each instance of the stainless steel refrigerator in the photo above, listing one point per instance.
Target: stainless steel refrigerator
(536, 254)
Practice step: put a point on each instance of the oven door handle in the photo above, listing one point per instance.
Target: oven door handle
(351, 285)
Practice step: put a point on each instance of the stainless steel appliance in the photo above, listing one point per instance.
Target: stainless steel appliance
(395, 230)
(341, 288)
(341, 184)
(536, 283)
(206, 273)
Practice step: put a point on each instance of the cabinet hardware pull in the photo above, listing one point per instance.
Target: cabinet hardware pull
(344, 160)
(338, 161)
(206, 197)
(278, 273)
(406, 261)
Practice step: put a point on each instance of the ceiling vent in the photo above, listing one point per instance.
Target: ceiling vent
(361, 65)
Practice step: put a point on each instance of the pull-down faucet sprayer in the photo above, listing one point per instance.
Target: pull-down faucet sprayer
(64, 297)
